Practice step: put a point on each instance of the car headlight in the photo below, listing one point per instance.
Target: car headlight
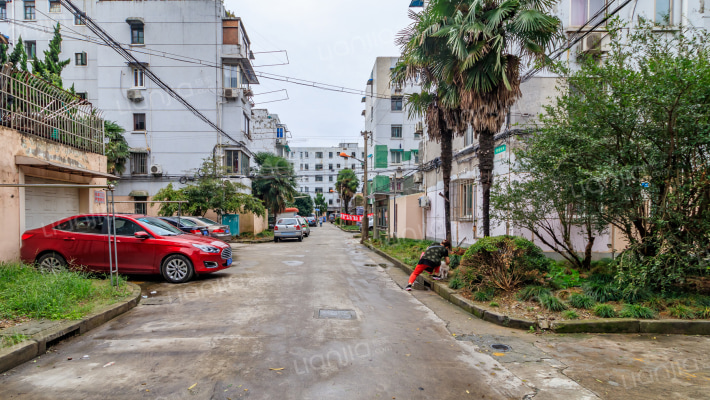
(207, 248)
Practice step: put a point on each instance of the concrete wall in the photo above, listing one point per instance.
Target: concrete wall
(252, 223)
(12, 200)
(406, 217)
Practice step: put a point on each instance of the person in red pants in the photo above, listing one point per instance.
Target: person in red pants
(430, 261)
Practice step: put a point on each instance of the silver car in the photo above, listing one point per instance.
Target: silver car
(288, 228)
(217, 230)
(304, 226)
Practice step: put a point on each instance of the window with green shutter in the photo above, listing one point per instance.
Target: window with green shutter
(381, 156)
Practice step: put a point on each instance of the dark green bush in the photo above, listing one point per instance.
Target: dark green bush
(681, 311)
(503, 262)
(570, 314)
(484, 294)
(533, 293)
(562, 276)
(577, 300)
(552, 303)
(656, 303)
(604, 311)
(455, 261)
(636, 311)
(455, 282)
(602, 288)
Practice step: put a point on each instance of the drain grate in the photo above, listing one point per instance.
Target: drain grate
(500, 347)
(336, 314)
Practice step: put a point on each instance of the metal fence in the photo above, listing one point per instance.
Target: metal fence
(31, 105)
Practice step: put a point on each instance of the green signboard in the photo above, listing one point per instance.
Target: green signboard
(500, 149)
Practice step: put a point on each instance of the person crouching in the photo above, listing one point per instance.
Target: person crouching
(430, 261)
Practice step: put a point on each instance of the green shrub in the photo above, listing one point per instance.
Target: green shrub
(577, 300)
(635, 295)
(455, 261)
(552, 303)
(602, 289)
(504, 262)
(484, 294)
(605, 266)
(704, 313)
(570, 314)
(681, 311)
(636, 311)
(604, 311)
(455, 282)
(533, 293)
(702, 301)
(562, 276)
(494, 304)
(657, 303)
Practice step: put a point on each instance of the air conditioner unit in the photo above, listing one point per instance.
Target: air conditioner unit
(596, 42)
(419, 128)
(418, 178)
(135, 95)
(424, 202)
(156, 169)
(230, 93)
(279, 141)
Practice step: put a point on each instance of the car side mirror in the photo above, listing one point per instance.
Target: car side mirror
(141, 235)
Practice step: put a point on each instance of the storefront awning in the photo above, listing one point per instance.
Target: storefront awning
(138, 193)
(52, 166)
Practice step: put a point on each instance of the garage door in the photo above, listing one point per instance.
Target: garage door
(46, 205)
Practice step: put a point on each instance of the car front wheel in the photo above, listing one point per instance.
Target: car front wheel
(177, 269)
(52, 262)
(276, 240)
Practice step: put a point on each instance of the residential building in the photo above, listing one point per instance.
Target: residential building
(63, 144)
(193, 46)
(268, 133)
(317, 169)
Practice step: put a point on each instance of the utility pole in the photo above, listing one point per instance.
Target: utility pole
(365, 225)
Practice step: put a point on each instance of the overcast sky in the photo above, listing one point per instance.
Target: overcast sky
(329, 41)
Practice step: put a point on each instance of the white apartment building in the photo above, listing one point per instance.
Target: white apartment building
(317, 169)
(268, 133)
(191, 45)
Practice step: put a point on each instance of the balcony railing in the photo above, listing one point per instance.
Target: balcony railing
(31, 105)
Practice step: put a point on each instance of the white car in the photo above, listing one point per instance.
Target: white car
(288, 228)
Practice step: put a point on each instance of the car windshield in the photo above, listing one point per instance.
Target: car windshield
(160, 227)
(287, 221)
(207, 221)
(186, 222)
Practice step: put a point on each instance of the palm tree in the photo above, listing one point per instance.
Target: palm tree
(275, 183)
(347, 185)
(478, 46)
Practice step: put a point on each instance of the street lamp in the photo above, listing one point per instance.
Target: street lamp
(365, 226)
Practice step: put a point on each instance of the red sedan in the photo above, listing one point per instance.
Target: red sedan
(145, 245)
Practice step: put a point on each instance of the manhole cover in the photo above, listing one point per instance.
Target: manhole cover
(337, 314)
(500, 347)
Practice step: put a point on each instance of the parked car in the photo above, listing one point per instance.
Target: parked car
(144, 245)
(288, 228)
(370, 223)
(186, 225)
(312, 221)
(332, 218)
(216, 230)
(304, 226)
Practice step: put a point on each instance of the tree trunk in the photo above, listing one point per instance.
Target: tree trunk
(447, 137)
(485, 165)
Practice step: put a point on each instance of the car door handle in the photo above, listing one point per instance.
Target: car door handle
(69, 239)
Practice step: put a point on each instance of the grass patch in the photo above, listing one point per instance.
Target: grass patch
(11, 340)
(351, 228)
(681, 311)
(456, 282)
(494, 304)
(636, 311)
(551, 303)
(484, 295)
(602, 290)
(657, 303)
(577, 300)
(604, 311)
(27, 292)
(704, 313)
(405, 250)
(570, 314)
(533, 293)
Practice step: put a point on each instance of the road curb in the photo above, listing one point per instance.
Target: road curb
(609, 325)
(20, 353)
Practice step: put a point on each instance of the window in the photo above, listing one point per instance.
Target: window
(82, 95)
(319, 154)
(305, 166)
(245, 127)
(233, 76)
(330, 167)
(337, 166)
(397, 103)
(416, 156)
(396, 131)
(330, 178)
(139, 163)
(468, 137)
(362, 155)
(464, 199)
(139, 122)
(663, 12)
(80, 58)
(319, 167)
(78, 20)
(319, 178)
(55, 6)
(280, 133)
(395, 157)
(236, 162)
(330, 202)
(30, 10)
(583, 10)
(330, 154)
(352, 154)
(306, 154)
(138, 78)
(331, 190)
(301, 154)
(137, 36)
(306, 178)
(305, 189)
(301, 167)
(31, 49)
(90, 225)
(3, 10)
(319, 190)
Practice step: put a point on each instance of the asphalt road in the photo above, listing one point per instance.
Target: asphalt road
(270, 328)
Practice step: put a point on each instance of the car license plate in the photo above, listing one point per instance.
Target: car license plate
(229, 262)
(226, 231)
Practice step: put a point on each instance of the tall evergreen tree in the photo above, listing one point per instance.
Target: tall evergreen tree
(18, 57)
(51, 68)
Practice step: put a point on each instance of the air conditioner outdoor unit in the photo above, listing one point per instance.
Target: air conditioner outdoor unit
(595, 43)
(424, 202)
(418, 178)
(156, 169)
(134, 95)
(279, 141)
(230, 93)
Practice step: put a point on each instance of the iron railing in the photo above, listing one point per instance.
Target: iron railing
(33, 106)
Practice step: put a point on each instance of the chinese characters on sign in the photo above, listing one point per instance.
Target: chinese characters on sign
(99, 197)
(354, 218)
